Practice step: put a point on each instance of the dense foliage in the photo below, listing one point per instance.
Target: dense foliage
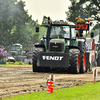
(16, 26)
(84, 9)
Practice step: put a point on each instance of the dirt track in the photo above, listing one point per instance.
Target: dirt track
(16, 80)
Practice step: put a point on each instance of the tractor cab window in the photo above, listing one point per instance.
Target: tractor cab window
(62, 31)
(13, 48)
(16, 48)
(73, 32)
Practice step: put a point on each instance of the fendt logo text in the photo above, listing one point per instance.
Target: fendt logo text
(52, 57)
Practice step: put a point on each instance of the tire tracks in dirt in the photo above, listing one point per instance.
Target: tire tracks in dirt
(17, 80)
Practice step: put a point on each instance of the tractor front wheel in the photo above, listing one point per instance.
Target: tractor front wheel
(35, 54)
(82, 62)
(74, 61)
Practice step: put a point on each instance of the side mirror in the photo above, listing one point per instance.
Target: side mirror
(37, 29)
(92, 34)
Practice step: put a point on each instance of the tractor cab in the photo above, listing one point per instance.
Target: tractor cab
(63, 31)
(60, 35)
(16, 49)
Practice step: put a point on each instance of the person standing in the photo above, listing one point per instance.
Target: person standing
(5, 55)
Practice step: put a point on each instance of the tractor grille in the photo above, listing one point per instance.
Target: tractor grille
(56, 45)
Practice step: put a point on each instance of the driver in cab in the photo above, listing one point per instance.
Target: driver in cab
(62, 31)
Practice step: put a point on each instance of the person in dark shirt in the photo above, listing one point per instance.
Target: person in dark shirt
(62, 31)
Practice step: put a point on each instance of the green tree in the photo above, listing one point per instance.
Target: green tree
(84, 9)
(21, 31)
(14, 22)
(16, 26)
(97, 26)
(6, 20)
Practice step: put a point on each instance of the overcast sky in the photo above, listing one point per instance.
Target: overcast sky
(53, 8)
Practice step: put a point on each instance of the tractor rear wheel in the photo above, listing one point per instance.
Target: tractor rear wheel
(74, 61)
(35, 54)
(82, 62)
(89, 67)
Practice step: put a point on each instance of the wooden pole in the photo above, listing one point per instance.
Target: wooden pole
(94, 76)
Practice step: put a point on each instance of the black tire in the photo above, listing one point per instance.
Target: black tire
(74, 61)
(35, 54)
(82, 62)
(89, 67)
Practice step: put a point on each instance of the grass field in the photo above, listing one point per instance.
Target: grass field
(16, 63)
(85, 92)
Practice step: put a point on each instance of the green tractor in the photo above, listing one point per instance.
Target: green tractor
(17, 52)
(61, 49)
